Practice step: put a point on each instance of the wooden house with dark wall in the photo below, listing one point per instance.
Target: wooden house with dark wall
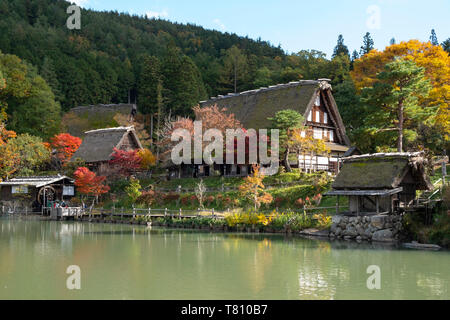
(311, 98)
(35, 192)
(381, 183)
(98, 147)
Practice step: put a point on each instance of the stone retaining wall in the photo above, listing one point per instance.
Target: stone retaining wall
(380, 228)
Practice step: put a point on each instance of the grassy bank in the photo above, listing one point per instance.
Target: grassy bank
(285, 188)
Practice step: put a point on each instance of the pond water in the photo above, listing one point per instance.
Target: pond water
(135, 262)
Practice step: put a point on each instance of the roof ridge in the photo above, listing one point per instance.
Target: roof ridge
(262, 89)
(111, 129)
(385, 154)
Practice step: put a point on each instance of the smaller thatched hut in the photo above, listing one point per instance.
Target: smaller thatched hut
(381, 183)
(98, 146)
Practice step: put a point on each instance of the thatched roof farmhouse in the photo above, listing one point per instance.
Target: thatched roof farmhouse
(311, 98)
(98, 146)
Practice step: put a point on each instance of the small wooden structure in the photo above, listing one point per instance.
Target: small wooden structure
(36, 192)
(98, 147)
(381, 183)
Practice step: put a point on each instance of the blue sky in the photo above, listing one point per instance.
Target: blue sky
(297, 25)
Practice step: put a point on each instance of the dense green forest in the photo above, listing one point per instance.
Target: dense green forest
(113, 52)
(166, 67)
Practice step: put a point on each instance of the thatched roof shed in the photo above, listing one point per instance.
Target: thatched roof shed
(383, 171)
(98, 145)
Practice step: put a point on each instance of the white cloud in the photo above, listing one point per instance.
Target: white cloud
(157, 15)
(219, 24)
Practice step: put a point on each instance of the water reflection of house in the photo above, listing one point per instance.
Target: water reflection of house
(35, 192)
(381, 183)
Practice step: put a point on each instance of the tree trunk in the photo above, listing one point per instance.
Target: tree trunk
(235, 75)
(286, 160)
(401, 120)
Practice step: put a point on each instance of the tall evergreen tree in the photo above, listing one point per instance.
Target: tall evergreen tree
(355, 55)
(433, 38)
(368, 44)
(182, 82)
(340, 48)
(149, 79)
(395, 99)
(392, 42)
(234, 70)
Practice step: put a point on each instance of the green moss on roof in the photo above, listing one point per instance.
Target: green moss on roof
(371, 174)
(254, 108)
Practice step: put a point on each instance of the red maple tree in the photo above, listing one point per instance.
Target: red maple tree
(88, 183)
(126, 162)
(65, 145)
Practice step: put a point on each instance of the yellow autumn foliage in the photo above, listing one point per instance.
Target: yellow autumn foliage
(434, 59)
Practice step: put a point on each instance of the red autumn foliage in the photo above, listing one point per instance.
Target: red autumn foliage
(65, 145)
(88, 183)
(126, 161)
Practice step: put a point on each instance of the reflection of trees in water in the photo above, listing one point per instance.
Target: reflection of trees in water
(157, 263)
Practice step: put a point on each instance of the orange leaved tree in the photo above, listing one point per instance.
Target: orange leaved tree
(89, 184)
(65, 145)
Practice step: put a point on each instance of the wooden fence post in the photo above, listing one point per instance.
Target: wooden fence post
(213, 214)
(165, 212)
(180, 213)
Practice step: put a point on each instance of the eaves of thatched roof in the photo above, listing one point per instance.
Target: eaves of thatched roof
(37, 182)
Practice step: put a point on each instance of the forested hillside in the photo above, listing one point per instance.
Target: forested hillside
(103, 60)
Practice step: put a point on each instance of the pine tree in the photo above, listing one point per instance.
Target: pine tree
(395, 97)
(355, 55)
(368, 44)
(340, 48)
(392, 42)
(433, 38)
(149, 79)
(182, 82)
(234, 70)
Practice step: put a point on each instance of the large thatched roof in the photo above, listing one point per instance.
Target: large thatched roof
(98, 145)
(382, 171)
(253, 108)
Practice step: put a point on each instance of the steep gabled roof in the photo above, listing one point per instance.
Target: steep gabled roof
(253, 108)
(98, 145)
(381, 171)
(34, 181)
